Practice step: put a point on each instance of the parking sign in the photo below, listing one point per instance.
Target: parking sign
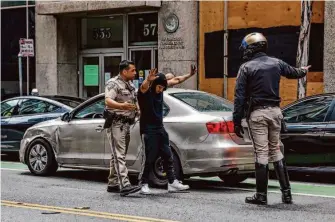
(26, 47)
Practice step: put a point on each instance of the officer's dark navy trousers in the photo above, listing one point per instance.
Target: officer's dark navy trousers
(156, 142)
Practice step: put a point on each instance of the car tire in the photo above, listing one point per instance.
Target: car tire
(233, 179)
(44, 163)
(157, 178)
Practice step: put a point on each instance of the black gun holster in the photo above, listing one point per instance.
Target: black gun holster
(112, 117)
(108, 116)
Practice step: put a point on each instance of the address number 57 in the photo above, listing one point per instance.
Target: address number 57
(148, 28)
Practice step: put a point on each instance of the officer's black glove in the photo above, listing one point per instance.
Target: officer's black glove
(238, 131)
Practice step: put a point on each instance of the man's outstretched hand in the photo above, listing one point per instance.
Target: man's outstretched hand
(193, 70)
(152, 75)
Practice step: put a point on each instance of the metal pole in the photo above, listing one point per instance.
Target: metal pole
(27, 36)
(20, 73)
(225, 51)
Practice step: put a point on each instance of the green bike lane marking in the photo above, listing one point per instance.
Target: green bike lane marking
(13, 165)
(248, 185)
(273, 186)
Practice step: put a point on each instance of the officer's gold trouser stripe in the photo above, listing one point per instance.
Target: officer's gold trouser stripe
(90, 213)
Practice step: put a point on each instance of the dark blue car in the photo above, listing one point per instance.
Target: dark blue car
(309, 142)
(20, 113)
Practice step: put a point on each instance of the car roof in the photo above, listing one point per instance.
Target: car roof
(307, 98)
(45, 98)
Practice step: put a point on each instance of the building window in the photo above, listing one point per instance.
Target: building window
(143, 29)
(102, 32)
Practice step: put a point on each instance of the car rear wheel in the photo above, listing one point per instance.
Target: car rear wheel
(233, 179)
(40, 158)
(157, 175)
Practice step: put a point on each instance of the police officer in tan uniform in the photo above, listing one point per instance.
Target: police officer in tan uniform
(257, 99)
(121, 108)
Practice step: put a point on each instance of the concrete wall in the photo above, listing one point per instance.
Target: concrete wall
(67, 56)
(46, 54)
(56, 55)
(179, 60)
(329, 47)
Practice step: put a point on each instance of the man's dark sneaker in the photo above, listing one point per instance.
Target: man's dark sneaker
(129, 189)
(113, 189)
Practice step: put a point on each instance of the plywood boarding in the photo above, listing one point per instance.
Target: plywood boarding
(210, 20)
(261, 14)
(243, 14)
(314, 88)
(318, 12)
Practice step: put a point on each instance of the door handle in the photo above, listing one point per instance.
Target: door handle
(315, 129)
(99, 129)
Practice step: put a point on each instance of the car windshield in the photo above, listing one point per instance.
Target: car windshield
(204, 102)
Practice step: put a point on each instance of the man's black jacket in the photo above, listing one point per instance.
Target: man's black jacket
(259, 78)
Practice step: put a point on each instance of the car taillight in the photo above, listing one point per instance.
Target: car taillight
(220, 127)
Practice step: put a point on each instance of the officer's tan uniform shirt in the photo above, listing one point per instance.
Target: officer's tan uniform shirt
(121, 91)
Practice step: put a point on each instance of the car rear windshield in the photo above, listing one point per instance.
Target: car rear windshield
(204, 102)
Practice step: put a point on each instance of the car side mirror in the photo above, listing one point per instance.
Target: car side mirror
(66, 117)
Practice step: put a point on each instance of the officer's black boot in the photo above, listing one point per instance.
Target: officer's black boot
(262, 175)
(282, 175)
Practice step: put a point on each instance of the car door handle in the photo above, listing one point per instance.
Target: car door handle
(99, 129)
(315, 129)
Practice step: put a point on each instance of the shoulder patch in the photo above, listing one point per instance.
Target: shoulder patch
(111, 85)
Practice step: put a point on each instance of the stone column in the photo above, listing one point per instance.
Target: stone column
(46, 54)
(67, 53)
(178, 50)
(329, 47)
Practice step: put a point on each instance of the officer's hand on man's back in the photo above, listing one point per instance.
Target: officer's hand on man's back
(238, 130)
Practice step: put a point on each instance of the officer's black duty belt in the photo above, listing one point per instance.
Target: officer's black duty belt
(114, 118)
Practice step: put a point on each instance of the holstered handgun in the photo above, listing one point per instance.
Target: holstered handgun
(108, 116)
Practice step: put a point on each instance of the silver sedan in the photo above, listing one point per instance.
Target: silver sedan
(200, 129)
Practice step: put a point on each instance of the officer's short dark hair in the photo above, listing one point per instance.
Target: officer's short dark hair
(124, 65)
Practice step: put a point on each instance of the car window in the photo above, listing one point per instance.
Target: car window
(88, 112)
(9, 108)
(313, 110)
(204, 102)
(165, 110)
(35, 106)
(67, 102)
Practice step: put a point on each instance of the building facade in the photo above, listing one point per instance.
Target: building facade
(79, 44)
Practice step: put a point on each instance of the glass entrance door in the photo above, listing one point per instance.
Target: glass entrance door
(90, 73)
(95, 71)
(111, 66)
(144, 59)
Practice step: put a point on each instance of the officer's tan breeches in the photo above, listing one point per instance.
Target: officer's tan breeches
(265, 127)
(118, 138)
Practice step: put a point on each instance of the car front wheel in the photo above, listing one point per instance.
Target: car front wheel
(40, 158)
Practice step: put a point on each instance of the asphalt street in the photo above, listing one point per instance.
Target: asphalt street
(77, 195)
